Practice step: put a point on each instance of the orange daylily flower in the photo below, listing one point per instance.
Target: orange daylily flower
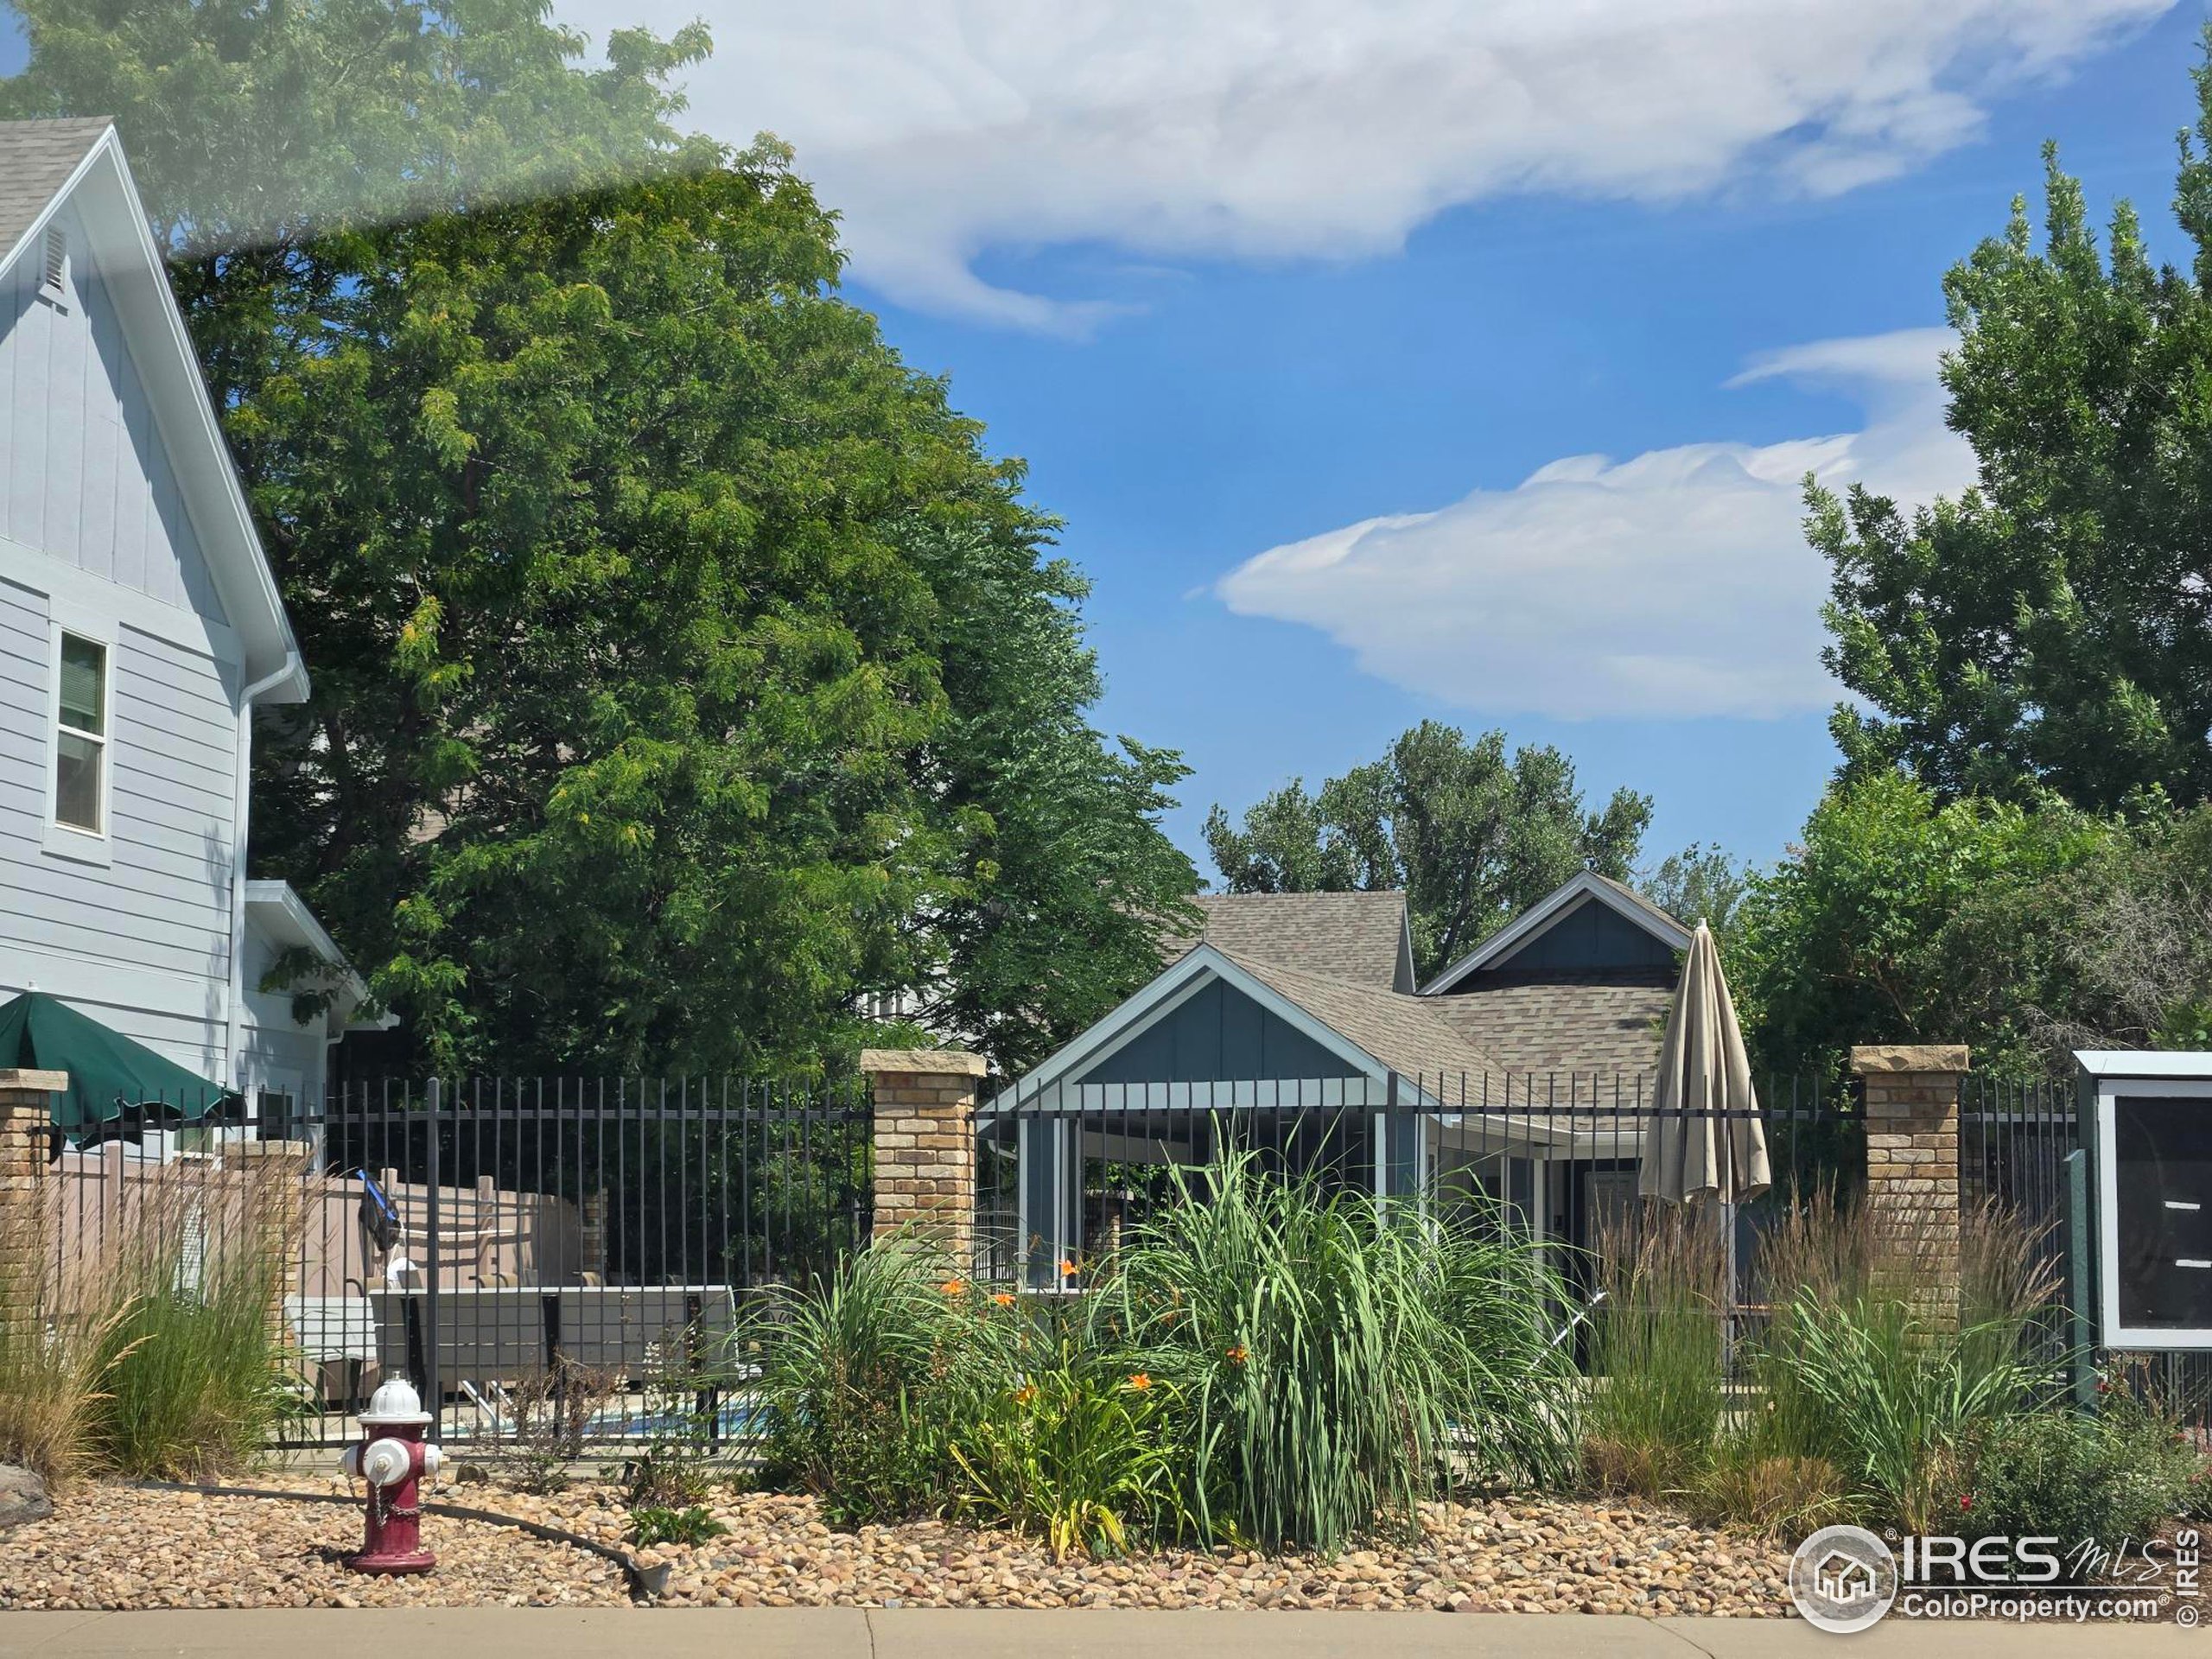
(1238, 1356)
(1004, 1299)
(1025, 1394)
(953, 1286)
(1067, 1269)
(1140, 1381)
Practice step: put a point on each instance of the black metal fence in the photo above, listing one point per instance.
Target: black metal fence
(1065, 1171)
(543, 1258)
(546, 1259)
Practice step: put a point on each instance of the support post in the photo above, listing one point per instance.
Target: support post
(925, 1136)
(1912, 1161)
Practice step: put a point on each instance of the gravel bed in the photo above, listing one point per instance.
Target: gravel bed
(111, 1547)
(117, 1547)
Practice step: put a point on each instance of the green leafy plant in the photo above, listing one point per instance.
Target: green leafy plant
(681, 1458)
(1077, 1450)
(658, 1523)
(1870, 1391)
(2121, 1469)
(1908, 1394)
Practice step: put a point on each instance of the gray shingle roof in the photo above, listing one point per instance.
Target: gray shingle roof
(1353, 937)
(36, 158)
(1402, 1032)
(1607, 1022)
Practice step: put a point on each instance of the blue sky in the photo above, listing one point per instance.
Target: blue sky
(1246, 401)
(1244, 276)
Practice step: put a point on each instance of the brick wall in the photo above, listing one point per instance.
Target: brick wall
(925, 1145)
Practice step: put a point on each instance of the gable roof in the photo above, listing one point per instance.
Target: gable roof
(1554, 908)
(1376, 1030)
(1405, 1033)
(1558, 1023)
(1358, 937)
(44, 164)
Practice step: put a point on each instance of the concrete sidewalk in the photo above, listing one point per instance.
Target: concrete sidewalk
(1088, 1633)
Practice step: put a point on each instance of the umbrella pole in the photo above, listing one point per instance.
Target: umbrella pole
(1728, 1300)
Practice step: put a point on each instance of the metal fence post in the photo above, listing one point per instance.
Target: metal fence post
(2080, 1360)
(433, 1395)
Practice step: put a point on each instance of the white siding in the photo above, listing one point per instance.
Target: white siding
(142, 942)
(83, 476)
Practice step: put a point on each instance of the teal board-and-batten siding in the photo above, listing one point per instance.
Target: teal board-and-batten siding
(1591, 937)
(1218, 1034)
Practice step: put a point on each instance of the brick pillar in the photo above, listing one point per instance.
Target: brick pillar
(925, 1144)
(273, 1197)
(1912, 1159)
(26, 1115)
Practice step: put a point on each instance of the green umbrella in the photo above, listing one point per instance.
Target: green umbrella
(110, 1076)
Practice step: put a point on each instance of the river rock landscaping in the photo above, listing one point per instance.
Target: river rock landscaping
(117, 1547)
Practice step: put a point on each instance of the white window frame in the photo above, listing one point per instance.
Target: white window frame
(67, 840)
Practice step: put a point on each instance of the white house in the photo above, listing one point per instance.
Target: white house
(140, 627)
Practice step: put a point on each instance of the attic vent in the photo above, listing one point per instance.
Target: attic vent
(57, 256)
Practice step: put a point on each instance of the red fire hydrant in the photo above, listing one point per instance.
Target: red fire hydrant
(393, 1462)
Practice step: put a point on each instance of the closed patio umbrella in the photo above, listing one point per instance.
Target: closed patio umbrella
(1705, 1139)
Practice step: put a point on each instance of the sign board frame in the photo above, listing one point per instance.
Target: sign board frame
(2107, 1076)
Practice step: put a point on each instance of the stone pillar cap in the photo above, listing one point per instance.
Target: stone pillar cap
(1878, 1058)
(42, 1083)
(949, 1062)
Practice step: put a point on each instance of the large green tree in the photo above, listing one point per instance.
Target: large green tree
(684, 666)
(1472, 834)
(2051, 629)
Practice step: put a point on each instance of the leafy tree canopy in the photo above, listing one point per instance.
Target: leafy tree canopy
(2025, 931)
(2050, 629)
(1698, 884)
(1474, 835)
(684, 666)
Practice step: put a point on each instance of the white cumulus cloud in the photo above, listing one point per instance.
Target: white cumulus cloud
(945, 129)
(1674, 583)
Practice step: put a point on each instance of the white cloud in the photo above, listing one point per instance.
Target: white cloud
(1675, 583)
(946, 129)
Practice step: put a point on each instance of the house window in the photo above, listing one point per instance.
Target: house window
(80, 736)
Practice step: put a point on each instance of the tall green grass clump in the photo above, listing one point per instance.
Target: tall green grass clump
(870, 1375)
(1862, 1367)
(1659, 1383)
(1336, 1363)
(49, 1365)
(193, 1373)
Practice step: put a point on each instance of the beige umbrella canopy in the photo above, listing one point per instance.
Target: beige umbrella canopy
(1706, 1139)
